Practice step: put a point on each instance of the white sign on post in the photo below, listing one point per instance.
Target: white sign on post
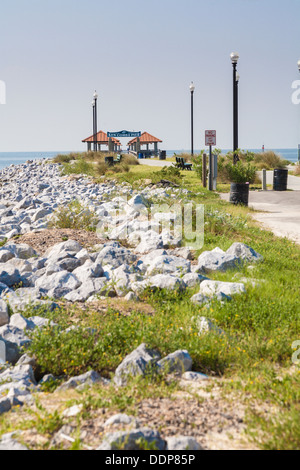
(210, 138)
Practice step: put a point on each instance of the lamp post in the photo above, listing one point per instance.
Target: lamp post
(95, 130)
(192, 89)
(298, 63)
(234, 59)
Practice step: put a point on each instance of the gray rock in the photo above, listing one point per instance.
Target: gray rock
(26, 360)
(168, 264)
(160, 281)
(58, 284)
(21, 251)
(194, 279)
(182, 443)
(8, 442)
(4, 288)
(200, 299)
(178, 362)
(17, 320)
(9, 275)
(5, 255)
(88, 271)
(214, 288)
(63, 250)
(131, 296)
(205, 325)
(14, 335)
(115, 255)
(244, 252)
(69, 264)
(5, 406)
(210, 261)
(12, 351)
(129, 440)
(194, 376)
(121, 418)
(87, 289)
(140, 362)
(90, 378)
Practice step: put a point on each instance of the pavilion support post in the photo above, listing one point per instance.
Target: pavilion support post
(138, 145)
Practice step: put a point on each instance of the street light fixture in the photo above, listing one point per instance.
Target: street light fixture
(95, 130)
(192, 90)
(234, 59)
(298, 63)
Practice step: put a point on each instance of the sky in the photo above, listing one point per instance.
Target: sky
(141, 57)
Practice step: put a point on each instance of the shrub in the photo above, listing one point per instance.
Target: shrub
(269, 160)
(297, 170)
(240, 172)
(74, 216)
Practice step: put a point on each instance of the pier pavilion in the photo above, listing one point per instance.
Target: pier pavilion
(145, 141)
(112, 144)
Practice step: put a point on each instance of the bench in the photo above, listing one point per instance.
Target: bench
(181, 163)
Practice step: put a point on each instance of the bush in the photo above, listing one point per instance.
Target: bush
(74, 216)
(297, 170)
(240, 172)
(269, 160)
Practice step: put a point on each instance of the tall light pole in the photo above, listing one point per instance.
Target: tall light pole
(298, 63)
(192, 90)
(234, 59)
(95, 130)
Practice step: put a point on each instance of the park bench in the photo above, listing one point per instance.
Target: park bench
(181, 163)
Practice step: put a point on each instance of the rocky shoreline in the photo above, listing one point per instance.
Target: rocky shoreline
(135, 256)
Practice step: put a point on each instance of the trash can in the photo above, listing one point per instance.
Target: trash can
(280, 179)
(162, 155)
(239, 193)
(141, 155)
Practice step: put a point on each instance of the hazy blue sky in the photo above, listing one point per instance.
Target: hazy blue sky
(141, 57)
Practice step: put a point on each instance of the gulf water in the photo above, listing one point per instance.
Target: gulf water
(16, 158)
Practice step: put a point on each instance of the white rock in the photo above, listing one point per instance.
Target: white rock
(182, 443)
(213, 288)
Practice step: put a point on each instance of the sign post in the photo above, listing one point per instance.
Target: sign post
(211, 140)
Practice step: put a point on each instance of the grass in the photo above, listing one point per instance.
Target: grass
(74, 216)
(254, 357)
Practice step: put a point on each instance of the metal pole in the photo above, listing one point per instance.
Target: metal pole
(235, 113)
(192, 122)
(204, 170)
(96, 126)
(211, 169)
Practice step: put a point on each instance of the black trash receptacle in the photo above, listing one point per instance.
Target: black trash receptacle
(239, 193)
(163, 155)
(280, 179)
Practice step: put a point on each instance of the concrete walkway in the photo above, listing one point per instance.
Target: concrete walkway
(280, 211)
(152, 162)
(293, 181)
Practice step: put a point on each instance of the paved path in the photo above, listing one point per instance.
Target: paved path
(151, 162)
(293, 181)
(281, 211)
